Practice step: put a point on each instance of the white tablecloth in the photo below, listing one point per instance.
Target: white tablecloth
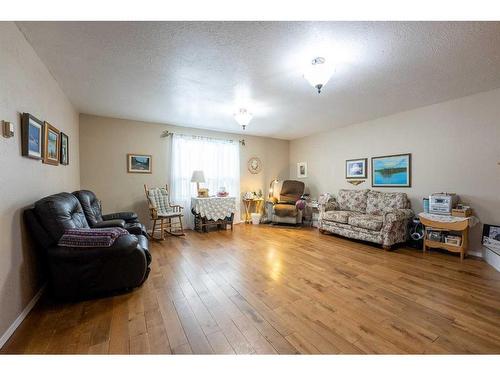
(214, 208)
(449, 219)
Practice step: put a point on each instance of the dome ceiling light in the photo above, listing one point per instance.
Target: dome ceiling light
(318, 73)
(243, 117)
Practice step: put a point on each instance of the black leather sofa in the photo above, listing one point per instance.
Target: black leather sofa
(84, 272)
(92, 209)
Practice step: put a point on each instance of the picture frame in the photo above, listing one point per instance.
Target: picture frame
(51, 144)
(64, 151)
(139, 163)
(391, 170)
(356, 168)
(254, 165)
(32, 137)
(491, 231)
(302, 170)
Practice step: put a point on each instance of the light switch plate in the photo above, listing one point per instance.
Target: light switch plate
(8, 129)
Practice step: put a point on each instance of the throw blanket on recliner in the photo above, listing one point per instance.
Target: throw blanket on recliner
(87, 237)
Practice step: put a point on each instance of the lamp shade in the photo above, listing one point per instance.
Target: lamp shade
(198, 176)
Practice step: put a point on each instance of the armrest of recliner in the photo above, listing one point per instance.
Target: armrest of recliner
(115, 223)
(127, 216)
(123, 245)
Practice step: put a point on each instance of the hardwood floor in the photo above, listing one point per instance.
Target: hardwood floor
(264, 289)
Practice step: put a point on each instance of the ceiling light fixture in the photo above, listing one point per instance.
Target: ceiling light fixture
(243, 117)
(318, 73)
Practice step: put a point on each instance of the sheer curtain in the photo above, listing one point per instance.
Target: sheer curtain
(218, 159)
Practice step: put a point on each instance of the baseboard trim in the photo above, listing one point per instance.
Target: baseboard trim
(10, 331)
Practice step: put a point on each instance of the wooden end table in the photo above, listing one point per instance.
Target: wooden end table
(259, 202)
(461, 226)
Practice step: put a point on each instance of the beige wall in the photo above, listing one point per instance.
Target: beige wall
(26, 86)
(105, 142)
(455, 147)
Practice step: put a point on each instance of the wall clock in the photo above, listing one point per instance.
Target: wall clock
(254, 165)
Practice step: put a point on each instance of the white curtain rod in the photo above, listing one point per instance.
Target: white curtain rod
(168, 133)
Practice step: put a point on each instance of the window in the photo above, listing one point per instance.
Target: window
(218, 159)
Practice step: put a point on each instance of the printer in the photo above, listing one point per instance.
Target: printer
(442, 203)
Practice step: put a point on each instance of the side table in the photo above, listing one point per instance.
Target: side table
(259, 202)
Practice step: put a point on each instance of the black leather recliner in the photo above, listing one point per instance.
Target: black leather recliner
(93, 212)
(84, 272)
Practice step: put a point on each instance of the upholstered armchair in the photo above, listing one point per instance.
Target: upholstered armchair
(281, 208)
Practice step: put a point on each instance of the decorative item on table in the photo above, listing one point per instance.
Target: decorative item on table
(199, 178)
(442, 203)
(355, 168)
(302, 170)
(203, 193)
(254, 165)
(32, 136)
(425, 202)
(64, 152)
(248, 195)
(391, 171)
(52, 139)
(491, 237)
(461, 211)
(453, 240)
(139, 163)
(222, 192)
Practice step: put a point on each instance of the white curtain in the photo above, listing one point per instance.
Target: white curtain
(218, 159)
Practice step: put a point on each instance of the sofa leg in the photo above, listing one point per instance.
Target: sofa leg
(387, 247)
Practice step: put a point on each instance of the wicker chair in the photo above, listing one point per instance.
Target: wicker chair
(166, 216)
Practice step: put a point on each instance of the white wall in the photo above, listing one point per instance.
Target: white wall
(105, 142)
(455, 147)
(27, 86)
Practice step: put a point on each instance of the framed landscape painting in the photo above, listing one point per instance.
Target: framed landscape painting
(137, 163)
(355, 168)
(51, 144)
(32, 136)
(391, 171)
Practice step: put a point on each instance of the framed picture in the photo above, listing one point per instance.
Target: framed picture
(302, 170)
(391, 171)
(64, 152)
(491, 237)
(254, 165)
(137, 163)
(51, 144)
(355, 168)
(31, 136)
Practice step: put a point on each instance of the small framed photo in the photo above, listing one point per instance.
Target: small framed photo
(31, 136)
(138, 163)
(64, 152)
(491, 231)
(355, 168)
(302, 170)
(51, 144)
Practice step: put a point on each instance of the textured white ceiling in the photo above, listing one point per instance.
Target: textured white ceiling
(198, 74)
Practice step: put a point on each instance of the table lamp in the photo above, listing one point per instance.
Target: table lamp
(198, 177)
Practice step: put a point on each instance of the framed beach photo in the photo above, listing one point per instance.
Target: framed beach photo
(355, 168)
(302, 170)
(51, 144)
(138, 163)
(31, 136)
(391, 171)
(64, 152)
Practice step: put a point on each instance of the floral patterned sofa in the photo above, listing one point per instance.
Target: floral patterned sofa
(367, 215)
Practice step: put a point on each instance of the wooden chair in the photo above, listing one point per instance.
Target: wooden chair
(168, 216)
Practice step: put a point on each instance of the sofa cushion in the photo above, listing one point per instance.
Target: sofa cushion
(378, 202)
(284, 210)
(337, 216)
(370, 222)
(352, 200)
